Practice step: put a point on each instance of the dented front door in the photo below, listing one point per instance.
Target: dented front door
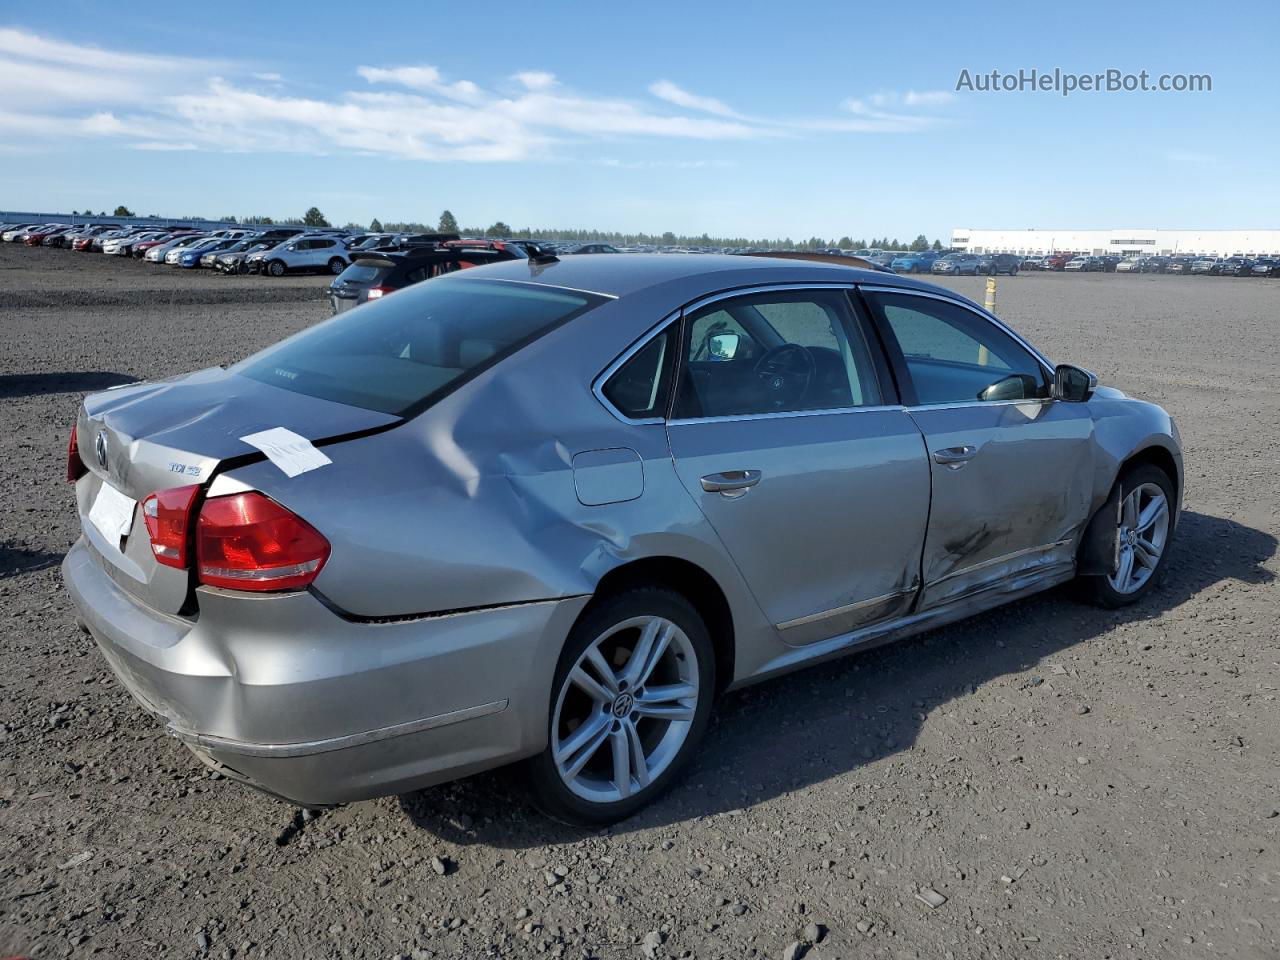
(1012, 483)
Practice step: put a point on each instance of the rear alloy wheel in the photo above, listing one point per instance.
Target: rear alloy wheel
(1143, 535)
(336, 266)
(630, 702)
(276, 268)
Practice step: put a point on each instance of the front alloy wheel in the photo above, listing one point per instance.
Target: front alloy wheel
(631, 699)
(1143, 533)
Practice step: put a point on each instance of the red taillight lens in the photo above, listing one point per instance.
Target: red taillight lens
(376, 292)
(167, 514)
(75, 466)
(247, 541)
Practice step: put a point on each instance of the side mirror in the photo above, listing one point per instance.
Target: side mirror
(1073, 384)
(723, 346)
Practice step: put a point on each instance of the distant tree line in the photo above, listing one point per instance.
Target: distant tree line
(448, 223)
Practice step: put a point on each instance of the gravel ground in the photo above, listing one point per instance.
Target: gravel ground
(1047, 780)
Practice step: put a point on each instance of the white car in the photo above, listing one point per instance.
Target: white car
(199, 243)
(10, 235)
(312, 253)
(121, 245)
(158, 253)
(1129, 265)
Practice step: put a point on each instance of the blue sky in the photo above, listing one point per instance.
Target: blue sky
(754, 119)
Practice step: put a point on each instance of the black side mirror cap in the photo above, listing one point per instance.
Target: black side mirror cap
(1073, 384)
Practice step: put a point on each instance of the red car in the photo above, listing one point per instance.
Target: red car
(36, 237)
(1057, 261)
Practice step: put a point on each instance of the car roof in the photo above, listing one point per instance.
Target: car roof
(624, 274)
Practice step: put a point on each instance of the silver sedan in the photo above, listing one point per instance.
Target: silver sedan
(548, 511)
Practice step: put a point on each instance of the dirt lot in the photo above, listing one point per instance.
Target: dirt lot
(1075, 783)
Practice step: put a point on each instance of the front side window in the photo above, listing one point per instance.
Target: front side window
(774, 352)
(400, 354)
(953, 355)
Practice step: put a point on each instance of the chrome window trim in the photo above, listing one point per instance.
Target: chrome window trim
(765, 288)
(879, 408)
(535, 283)
(972, 308)
(960, 404)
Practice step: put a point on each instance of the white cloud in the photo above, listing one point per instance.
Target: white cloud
(927, 98)
(890, 112)
(50, 90)
(30, 46)
(536, 79)
(421, 78)
(666, 90)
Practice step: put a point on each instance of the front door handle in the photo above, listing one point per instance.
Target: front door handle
(731, 483)
(955, 457)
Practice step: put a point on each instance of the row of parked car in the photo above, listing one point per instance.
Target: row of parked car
(274, 251)
(366, 266)
(991, 264)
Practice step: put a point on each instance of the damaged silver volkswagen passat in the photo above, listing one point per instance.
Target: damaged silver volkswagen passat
(548, 511)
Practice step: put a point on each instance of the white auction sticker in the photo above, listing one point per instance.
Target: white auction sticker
(112, 513)
(292, 453)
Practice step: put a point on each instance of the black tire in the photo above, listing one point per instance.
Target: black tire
(276, 268)
(1097, 588)
(337, 265)
(549, 792)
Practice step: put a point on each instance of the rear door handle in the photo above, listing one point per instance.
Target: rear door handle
(731, 483)
(955, 457)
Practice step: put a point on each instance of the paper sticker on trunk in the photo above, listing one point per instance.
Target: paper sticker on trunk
(112, 513)
(292, 453)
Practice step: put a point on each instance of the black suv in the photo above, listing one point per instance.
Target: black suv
(374, 275)
(996, 263)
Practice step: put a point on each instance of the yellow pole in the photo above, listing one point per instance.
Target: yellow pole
(984, 356)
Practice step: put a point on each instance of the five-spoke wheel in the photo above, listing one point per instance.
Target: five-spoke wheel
(630, 701)
(1143, 532)
(1139, 537)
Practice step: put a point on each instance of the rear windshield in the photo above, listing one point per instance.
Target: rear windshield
(402, 353)
(361, 273)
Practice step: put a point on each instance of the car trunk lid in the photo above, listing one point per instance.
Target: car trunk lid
(152, 436)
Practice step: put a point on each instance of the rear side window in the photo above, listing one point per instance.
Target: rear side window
(640, 387)
(401, 354)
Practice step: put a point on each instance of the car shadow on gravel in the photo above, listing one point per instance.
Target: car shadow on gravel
(15, 560)
(38, 384)
(788, 734)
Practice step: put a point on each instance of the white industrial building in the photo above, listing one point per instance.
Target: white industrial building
(1165, 243)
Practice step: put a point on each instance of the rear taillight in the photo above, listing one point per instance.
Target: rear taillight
(376, 292)
(247, 541)
(167, 514)
(75, 466)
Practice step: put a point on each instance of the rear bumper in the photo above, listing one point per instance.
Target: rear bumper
(280, 692)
